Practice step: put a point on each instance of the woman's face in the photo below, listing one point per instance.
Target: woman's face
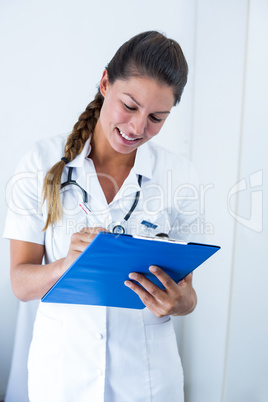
(134, 110)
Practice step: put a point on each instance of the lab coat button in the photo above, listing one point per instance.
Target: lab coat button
(99, 335)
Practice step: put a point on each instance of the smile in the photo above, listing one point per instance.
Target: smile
(126, 137)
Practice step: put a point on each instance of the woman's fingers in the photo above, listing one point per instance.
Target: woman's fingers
(149, 299)
(79, 242)
(175, 298)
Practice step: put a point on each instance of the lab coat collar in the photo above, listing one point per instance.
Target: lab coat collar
(142, 165)
(79, 161)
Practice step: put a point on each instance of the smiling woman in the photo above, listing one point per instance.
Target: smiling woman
(82, 352)
(130, 115)
(149, 55)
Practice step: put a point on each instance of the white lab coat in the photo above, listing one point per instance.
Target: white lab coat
(96, 353)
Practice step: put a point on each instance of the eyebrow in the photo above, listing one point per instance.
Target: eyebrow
(134, 100)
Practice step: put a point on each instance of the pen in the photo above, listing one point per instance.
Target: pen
(94, 222)
(84, 208)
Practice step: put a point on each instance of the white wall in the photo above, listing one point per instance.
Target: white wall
(247, 347)
(49, 70)
(220, 48)
(224, 345)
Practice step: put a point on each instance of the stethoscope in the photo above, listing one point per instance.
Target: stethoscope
(114, 227)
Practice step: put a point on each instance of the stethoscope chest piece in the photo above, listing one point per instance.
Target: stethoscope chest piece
(116, 227)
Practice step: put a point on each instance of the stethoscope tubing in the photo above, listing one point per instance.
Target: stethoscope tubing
(118, 227)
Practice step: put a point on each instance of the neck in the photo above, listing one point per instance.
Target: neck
(104, 155)
(111, 166)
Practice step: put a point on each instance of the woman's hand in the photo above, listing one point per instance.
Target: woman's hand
(79, 242)
(175, 299)
(31, 279)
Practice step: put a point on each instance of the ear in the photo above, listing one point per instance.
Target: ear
(104, 83)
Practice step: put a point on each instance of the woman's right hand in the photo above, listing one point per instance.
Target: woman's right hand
(79, 242)
(31, 279)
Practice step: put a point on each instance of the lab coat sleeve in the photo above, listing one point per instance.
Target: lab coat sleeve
(24, 219)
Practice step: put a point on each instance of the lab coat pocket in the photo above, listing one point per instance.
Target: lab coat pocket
(44, 358)
(159, 330)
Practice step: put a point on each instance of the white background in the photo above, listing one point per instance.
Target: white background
(52, 57)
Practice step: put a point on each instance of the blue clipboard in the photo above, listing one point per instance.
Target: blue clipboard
(97, 276)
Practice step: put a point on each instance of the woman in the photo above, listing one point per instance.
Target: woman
(96, 353)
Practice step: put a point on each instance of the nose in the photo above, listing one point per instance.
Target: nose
(137, 125)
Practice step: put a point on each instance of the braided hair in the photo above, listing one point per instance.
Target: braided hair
(74, 145)
(149, 54)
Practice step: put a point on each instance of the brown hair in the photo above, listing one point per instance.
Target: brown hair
(149, 54)
(74, 145)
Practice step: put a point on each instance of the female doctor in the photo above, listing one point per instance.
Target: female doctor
(123, 183)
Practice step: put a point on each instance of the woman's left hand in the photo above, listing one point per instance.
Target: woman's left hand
(174, 299)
